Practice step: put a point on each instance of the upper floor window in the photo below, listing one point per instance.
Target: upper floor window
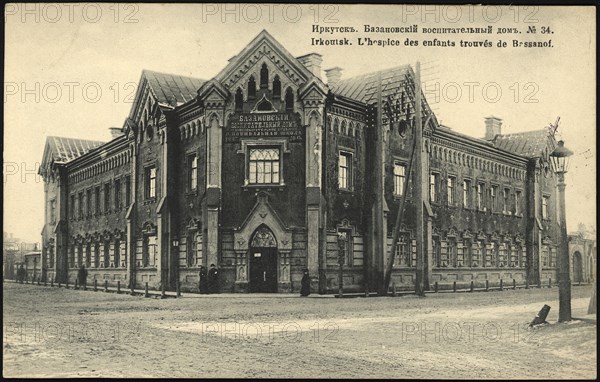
(106, 197)
(433, 184)
(251, 88)
(192, 172)
(80, 205)
(127, 190)
(505, 194)
(493, 197)
(276, 88)
(88, 202)
(545, 214)
(399, 179)
(466, 193)
(117, 193)
(517, 202)
(451, 186)
(150, 182)
(264, 76)
(263, 166)
(289, 100)
(345, 171)
(239, 101)
(480, 196)
(97, 199)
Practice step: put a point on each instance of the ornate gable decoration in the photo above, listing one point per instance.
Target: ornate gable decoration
(263, 237)
(264, 106)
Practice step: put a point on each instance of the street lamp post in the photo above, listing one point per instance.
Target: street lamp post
(176, 247)
(560, 165)
(341, 258)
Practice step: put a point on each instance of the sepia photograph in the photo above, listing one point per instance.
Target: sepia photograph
(398, 191)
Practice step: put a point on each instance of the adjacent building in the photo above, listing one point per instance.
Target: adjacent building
(258, 170)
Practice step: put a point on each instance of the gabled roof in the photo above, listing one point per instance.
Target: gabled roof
(172, 89)
(239, 60)
(63, 150)
(363, 88)
(529, 144)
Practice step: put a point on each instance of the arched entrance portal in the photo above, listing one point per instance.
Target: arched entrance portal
(263, 261)
(577, 267)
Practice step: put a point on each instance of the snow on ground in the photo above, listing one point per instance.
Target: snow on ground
(51, 332)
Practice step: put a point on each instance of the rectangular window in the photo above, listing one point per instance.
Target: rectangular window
(263, 166)
(451, 189)
(150, 182)
(192, 166)
(191, 249)
(493, 197)
(88, 202)
(545, 214)
(505, 194)
(127, 190)
(433, 191)
(150, 250)
(399, 179)
(517, 202)
(466, 193)
(480, 189)
(97, 199)
(117, 194)
(345, 171)
(402, 251)
(80, 205)
(107, 197)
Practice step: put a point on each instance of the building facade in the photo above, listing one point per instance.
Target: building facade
(258, 170)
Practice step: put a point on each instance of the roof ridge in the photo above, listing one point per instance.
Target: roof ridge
(144, 71)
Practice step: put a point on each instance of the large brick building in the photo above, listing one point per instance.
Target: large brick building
(258, 169)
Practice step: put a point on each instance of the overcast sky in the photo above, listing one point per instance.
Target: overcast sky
(58, 57)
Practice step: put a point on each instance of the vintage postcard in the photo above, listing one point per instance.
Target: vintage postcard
(299, 191)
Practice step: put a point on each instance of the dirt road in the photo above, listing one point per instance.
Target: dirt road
(51, 332)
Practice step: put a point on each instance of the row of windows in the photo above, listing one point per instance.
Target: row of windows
(95, 256)
(88, 204)
(264, 83)
(483, 201)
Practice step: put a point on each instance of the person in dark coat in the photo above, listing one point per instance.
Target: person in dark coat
(203, 280)
(82, 275)
(213, 279)
(305, 290)
(21, 274)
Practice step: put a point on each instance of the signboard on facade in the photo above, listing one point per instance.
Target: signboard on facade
(255, 125)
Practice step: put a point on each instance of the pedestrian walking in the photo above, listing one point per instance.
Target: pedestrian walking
(82, 275)
(213, 279)
(203, 280)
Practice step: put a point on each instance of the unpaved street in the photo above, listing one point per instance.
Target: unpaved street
(51, 332)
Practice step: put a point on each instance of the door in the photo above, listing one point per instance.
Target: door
(263, 270)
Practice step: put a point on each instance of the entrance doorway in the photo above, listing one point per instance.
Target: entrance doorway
(263, 261)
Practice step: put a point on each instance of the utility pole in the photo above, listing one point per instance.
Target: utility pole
(420, 190)
(380, 244)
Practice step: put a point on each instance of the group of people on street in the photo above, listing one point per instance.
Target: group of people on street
(209, 279)
(21, 274)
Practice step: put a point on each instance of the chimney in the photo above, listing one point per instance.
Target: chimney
(333, 75)
(492, 127)
(312, 62)
(115, 132)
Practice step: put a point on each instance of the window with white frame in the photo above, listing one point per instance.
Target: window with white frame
(345, 171)
(545, 214)
(399, 178)
(264, 165)
(450, 188)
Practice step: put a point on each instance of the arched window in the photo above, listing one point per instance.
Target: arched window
(251, 88)
(289, 100)
(239, 100)
(264, 76)
(276, 87)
